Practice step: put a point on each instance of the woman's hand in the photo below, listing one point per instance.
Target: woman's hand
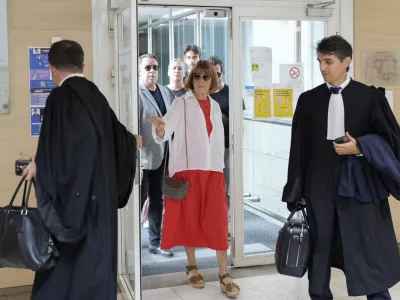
(159, 124)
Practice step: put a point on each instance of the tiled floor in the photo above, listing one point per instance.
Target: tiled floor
(269, 287)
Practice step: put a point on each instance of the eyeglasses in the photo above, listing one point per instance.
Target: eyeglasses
(179, 68)
(219, 74)
(205, 77)
(148, 67)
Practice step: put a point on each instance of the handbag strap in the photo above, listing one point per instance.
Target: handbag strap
(296, 209)
(25, 197)
(166, 153)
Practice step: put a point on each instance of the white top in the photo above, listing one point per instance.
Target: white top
(204, 153)
(71, 75)
(336, 120)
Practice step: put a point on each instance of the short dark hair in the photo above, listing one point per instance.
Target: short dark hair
(196, 49)
(336, 45)
(215, 60)
(207, 68)
(66, 55)
(147, 55)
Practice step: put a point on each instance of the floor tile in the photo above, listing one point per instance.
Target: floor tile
(165, 294)
(395, 294)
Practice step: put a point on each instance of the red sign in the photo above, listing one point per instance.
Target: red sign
(294, 73)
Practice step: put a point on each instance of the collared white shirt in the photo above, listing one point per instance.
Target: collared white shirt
(204, 153)
(336, 120)
(71, 75)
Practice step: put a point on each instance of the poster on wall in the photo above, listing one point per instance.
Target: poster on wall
(283, 103)
(261, 66)
(262, 103)
(381, 68)
(40, 84)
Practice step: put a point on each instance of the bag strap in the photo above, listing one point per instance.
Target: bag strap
(166, 153)
(296, 209)
(25, 197)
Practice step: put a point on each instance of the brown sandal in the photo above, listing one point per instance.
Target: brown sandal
(194, 281)
(228, 288)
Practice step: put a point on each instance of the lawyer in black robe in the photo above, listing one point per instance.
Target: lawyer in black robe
(356, 236)
(85, 169)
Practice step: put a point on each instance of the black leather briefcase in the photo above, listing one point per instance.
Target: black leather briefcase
(293, 251)
(25, 242)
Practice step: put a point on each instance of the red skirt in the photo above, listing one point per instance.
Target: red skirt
(201, 219)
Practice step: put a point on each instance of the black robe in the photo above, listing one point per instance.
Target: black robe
(85, 169)
(354, 236)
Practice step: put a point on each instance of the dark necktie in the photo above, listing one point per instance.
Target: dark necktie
(335, 90)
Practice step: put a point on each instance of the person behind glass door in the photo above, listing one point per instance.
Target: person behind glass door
(192, 55)
(201, 219)
(154, 99)
(176, 73)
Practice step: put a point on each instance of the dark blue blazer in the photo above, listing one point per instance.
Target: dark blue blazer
(373, 176)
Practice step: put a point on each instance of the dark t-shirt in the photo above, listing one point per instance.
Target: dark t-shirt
(222, 97)
(176, 94)
(159, 100)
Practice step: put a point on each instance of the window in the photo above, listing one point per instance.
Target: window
(172, 29)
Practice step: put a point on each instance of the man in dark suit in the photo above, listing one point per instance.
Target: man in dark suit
(154, 100)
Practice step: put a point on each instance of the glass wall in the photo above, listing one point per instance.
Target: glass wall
(165, 32)
(266, 142)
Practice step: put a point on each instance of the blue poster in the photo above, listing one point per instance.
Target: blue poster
(40, 84)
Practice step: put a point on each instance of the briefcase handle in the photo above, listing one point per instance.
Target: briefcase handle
(25, 197)
(296, 209)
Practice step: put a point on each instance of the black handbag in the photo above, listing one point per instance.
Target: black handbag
(174, 188)
(25, 242)
(293, 247)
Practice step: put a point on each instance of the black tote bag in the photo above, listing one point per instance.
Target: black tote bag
(293, 247)
(25, 242)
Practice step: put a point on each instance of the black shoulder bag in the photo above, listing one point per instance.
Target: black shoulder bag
(174, 188)
(25, 242)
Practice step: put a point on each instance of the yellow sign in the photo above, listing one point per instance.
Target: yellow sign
(262, 103)
(283, 103)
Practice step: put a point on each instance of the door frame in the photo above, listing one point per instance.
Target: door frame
(274, 12)
(103, 70)
(133, 207)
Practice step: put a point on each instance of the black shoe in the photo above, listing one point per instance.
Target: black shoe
(154, 250)
(167, 252)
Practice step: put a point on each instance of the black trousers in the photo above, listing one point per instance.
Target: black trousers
(152, 183)
(327, 294)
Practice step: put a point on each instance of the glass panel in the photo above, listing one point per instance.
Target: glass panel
(266, 142)
(161, 50)
(126, 102)
(126, 28)
(184, 34)
(162, 39)
(4, 74)
(214, 40)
